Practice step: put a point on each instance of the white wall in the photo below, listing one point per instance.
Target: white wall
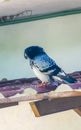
(61, 38)
(22, 118)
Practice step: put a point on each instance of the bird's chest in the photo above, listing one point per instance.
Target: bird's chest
(43, 77)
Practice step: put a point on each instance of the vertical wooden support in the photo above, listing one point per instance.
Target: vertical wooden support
(78, 111)
(34, 108)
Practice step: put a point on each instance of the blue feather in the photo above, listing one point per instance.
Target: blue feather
(45, 64)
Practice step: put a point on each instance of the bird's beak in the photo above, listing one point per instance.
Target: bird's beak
(25, 56)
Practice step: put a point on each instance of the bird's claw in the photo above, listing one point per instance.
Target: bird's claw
(43, 85)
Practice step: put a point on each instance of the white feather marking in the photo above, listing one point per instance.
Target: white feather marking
(57, 78)
(43, 77)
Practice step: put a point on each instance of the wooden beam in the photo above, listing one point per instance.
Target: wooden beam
(78, 111)
(35, 109)
(48, 95)
(45, 107)
(76, 75)
(3, 105)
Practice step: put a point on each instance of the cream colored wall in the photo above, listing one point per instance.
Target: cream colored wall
(22, 118)
(61, 38)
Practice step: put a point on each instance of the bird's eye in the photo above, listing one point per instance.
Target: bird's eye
(25, 56)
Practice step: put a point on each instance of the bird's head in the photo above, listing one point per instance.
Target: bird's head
(33, 51)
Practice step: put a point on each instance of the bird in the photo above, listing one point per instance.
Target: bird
(44, 67)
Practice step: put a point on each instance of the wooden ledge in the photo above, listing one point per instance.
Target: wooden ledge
(57, 102)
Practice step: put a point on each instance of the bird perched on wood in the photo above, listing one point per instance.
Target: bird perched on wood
(44, 67)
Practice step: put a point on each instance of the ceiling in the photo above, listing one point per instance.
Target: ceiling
(12, 7)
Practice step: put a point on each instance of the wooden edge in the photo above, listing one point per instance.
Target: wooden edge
(41, 96)
(78, 111)
(34, 108)
(3, 105)
(46, 106)
(7, 102)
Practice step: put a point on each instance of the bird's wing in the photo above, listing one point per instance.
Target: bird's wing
(45, 64)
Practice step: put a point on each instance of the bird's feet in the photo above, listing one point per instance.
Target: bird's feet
(43, 85)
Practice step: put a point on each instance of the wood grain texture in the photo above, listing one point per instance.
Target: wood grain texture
(3, 105)
(77, 75)
(78, 111)
(34, 108)
(42, 96)
(46, 107)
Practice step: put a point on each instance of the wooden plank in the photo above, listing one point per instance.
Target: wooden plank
(3, 105)
(55, 105)
(34, 108)
(42, 96)
(48, 97)
(77, 75)
(78, 111)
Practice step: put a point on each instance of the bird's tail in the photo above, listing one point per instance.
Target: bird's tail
(68, 79)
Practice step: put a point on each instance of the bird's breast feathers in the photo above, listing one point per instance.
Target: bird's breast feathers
(43, 77)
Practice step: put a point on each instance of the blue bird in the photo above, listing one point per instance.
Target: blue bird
(44, 67)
